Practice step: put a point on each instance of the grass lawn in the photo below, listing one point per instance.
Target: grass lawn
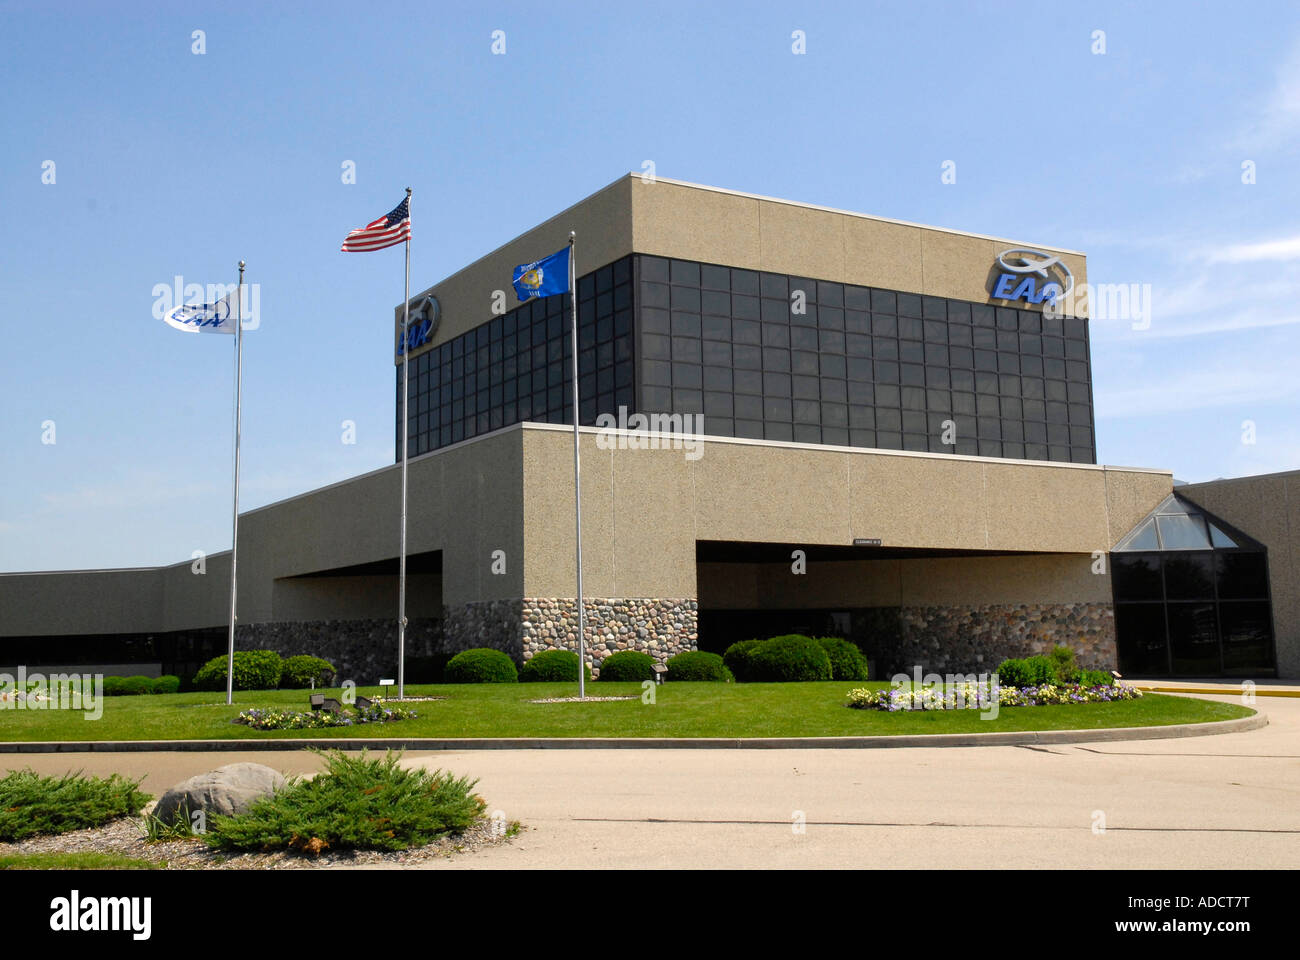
(75, 861)
(682, 710)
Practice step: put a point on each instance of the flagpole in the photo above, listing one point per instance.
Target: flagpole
(577, 469)
(401, 572)
(234, 519)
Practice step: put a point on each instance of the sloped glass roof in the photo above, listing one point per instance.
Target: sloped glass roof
(1179, 524)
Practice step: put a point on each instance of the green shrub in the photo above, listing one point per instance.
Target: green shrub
(1063, 665)
(697, 665)
(32, 804)
(254, 670)
(426, 669)
(552, 666)
(628, 666)
(481, 665)
(790, 658)
(137, 685)
(1033, 672)
(1096, 678)
(847, 661)
(357, 803)
(739, 658)
(1041, 670)
(113, 686)
(1012, 673)
(166, 684)
(300, 671)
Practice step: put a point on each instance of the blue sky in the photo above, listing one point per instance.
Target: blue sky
(168, 162)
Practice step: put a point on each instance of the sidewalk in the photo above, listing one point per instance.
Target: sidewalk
(1220, 686)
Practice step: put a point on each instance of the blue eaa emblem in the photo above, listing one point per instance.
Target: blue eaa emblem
(1024, 269)
(203, 314)
(425, 315)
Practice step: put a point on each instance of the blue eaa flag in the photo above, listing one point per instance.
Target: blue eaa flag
(543, 277)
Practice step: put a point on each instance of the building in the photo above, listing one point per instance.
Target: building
(897, 446)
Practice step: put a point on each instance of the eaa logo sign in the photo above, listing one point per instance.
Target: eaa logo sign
(425, 314)
(1032, 276)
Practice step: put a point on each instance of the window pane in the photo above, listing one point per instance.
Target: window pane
(1183, 533)
(1219, 538)
(1247, 637)
(1189, 576)
(1242, 576)
(1193, 638)
(1137, 576)
(1142, 538)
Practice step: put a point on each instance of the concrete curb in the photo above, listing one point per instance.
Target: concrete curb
(1006, 739)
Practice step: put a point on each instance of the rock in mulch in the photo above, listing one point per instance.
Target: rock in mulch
(228, 790)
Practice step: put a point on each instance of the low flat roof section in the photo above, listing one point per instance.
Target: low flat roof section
(739, 551)
(645, 509)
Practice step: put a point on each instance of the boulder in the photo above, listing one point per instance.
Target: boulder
(228, 790)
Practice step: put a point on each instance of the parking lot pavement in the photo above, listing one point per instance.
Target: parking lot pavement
(1221, 801)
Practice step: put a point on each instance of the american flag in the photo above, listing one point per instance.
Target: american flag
(387, 231)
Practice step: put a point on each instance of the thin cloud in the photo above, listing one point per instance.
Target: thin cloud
(1231, 385)
(1213, 301)
(1288, 248)
(1277, 120)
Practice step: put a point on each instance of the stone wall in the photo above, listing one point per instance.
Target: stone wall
(977, 639)
(939, 639)
(365, 650)
(657, 626)
(361, 650)
(490, 623)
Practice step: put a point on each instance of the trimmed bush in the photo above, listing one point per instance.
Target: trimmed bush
(697, 665)
(1032, 672)
(113, 686)
(847, 661)
(254, 670)
(166, 684)
(1012, 672)
(1066, 670)
(481, 665)
(299, 672)
(1096, 678)
(552, 666)
(791, 658)
(137, 685)
(739, 658)
(628, 666)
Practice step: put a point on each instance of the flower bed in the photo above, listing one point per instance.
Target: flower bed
(21, 697)
(975, 696)
(377, 712)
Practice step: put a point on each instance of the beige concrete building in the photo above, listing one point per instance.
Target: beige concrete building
(794, 419)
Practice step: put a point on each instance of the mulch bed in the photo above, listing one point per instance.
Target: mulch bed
(124, 837)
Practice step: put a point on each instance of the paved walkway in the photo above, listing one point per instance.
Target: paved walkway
(1262, 688)
(1223, 801)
